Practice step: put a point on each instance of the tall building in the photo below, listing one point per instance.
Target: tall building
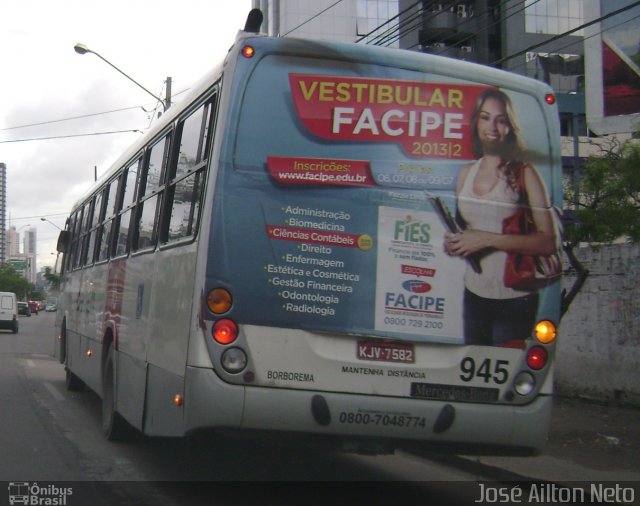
(13, 243)
(3, 212)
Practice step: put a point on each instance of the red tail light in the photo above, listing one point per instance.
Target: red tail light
(225, 331)
(537, 358)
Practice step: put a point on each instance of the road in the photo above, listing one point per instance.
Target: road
(51, 436)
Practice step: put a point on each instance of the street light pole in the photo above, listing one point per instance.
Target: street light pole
(55, 266)
(82, 49)
(50, 223)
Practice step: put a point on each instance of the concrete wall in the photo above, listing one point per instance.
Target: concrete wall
(599, 345)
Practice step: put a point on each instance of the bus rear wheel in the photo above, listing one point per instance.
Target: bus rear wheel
(115, 427)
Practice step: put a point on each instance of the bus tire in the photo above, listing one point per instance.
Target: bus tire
(115, 427)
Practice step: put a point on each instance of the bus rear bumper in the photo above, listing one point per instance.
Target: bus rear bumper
(211, 403)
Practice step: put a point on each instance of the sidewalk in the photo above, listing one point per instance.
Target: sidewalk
(588, 442)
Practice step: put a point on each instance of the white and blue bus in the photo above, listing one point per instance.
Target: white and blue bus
(283, 251)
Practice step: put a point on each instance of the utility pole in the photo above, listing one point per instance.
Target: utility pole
(167, 100)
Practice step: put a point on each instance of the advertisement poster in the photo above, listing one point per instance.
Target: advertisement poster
(348, 202)
(414, 275)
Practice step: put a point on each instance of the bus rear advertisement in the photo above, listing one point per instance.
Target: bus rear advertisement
(320, 247)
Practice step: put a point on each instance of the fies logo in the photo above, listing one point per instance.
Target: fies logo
(410, 230)
(416, 286)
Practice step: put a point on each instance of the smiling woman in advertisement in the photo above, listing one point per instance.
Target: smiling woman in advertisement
(489, 190)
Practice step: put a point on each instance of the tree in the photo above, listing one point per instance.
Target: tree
(52, 278)
(11, 281)
(603, 204)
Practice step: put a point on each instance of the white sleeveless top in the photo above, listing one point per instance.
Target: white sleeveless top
(486, 212)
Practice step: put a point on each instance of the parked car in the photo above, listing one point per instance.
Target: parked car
(8, 312)
(34, 306)
(23, 309)
(51, 306)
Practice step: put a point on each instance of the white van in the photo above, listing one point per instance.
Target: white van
(8, 311)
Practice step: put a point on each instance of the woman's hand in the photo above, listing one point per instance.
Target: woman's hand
(467, 242)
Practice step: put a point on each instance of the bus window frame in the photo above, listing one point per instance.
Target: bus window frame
(137, 207)
(95, 226)
(209, 103)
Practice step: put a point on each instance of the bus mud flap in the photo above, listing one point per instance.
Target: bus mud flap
(445, 419)
(320, 410)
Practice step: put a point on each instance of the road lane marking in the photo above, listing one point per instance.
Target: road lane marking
(30, 363)
(55, 393)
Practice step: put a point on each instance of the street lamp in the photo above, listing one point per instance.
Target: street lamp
(50, 223)
(82, 49)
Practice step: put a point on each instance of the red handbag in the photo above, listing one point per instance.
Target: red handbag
(528, 272)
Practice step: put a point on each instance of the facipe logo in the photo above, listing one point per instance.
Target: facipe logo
(416, 286)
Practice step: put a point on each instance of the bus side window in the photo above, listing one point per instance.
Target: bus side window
(152, 189)
(104, 245)
(94, 228)
(185, 186)
(77, 239)
(69, 253)
(86, 223)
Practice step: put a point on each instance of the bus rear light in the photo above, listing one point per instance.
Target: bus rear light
(219, 301)
(225, 331)
(234, 360)
(545, 331)
(248, 51)
(178, 400)
(537, 358)
(524, 384)
(550, 98)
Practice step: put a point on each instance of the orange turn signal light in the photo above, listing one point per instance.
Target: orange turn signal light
(248, 51)
(545, 331)
(219, 300)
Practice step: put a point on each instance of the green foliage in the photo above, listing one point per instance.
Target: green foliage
(11, 281)
(51, 278)
(605, 200)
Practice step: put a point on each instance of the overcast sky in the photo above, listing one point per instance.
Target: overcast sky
(44, 81)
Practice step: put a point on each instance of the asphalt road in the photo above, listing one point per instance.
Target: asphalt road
(52, 437)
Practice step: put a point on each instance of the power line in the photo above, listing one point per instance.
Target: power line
(393, 38)
(561, 35)
(312, 18)
(71, 118)
(386, 23)
(573, 43)
(89, 115)
(70, 136)
(418, 19)
(500, 21)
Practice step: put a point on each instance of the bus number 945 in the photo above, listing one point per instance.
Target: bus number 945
(489, 370)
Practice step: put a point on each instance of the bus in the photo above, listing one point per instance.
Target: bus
(271, 258)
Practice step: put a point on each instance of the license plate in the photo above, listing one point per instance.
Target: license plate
(385, 352)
